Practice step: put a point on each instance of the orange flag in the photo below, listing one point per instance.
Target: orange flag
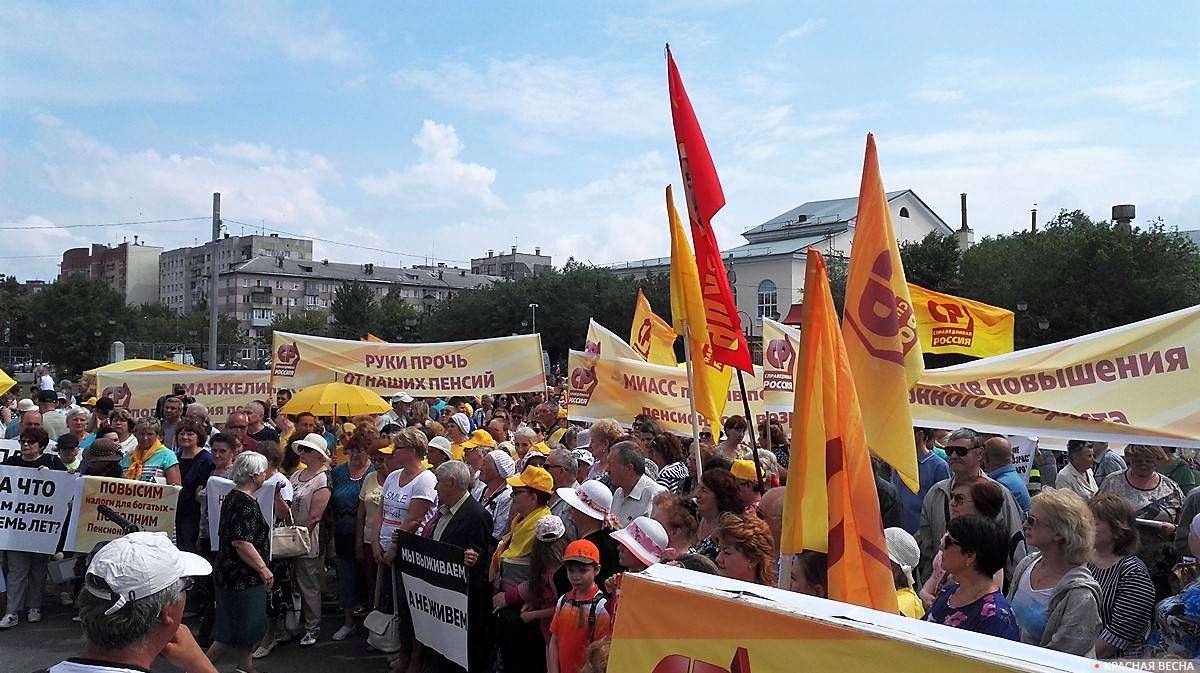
(651, 336)
(830, 504)
(702, 190)
(373, 338)
(880, 328)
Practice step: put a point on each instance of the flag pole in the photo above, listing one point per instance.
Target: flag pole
(758, 472)
(687, 356)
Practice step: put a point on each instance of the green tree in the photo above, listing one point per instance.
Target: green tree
(395, 320)
(1082, 276)
(933, 263)
(352, 310)
(74, 321)
(315, 323)
(567, 298)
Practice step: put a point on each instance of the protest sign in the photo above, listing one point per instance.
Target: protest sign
(949, 324)
(1023, 449)
(33, 507)
(781, 343)
(604, 387)
(215, 491)
(8, 449)
(479, 367)
(1127, 384)
(149, 505)
(435, 584)
(761, 629)
(223, 392)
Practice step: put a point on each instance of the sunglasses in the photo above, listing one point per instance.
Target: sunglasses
(28, 442)
(959, 450)
(1031, 520)
(948, 542)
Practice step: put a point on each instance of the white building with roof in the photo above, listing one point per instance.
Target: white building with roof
(767, 273)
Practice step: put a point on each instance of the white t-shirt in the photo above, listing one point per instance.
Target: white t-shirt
(287, 490)
(396, 499)
(46, 383)
(91, 667)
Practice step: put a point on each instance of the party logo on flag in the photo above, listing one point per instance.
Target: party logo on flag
(287, 356)
(881, 315)
(781, 356)
(583, 384)
(955, 324)
(120, 395)
(678, 663)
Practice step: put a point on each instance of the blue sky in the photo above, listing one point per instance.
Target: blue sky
(445, 131)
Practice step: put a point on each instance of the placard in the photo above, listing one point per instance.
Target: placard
(33, 506)
(149, 505)
(435, 584)
(215, 491)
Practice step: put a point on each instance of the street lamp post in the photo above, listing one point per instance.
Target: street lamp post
(533, 319)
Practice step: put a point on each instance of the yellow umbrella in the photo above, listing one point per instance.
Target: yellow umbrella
(5, 382)
(140, 365)
(336, 399)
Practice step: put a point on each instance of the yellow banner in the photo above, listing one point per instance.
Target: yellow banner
(1130, 383)
(149, 505)
(606, 387)
(480, 367)
(781, 346)
(949, 324)
(223, 392)
(650, 335)
(755, 629)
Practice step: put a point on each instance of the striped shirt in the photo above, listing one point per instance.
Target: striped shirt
(672, 477)
(1126, 604)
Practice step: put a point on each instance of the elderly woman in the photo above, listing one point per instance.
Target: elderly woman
(667, 453)
(492, 489)
(523, 441)
(601, 436)
(312, 494)
(151, 460)
(27, 570)
(531, 494)
(678, 516)
(1153, 498)
(195, 467)
(1053, 594)
(348, 481)
(747, 551)
(240, 574)
(972, 551)
(121, 422)
(1126, 591)
(1078, 475)
(77, 423)
(1176, 622)
(716, 496)
(980, 497)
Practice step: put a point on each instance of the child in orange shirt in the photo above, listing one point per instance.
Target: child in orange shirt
(581, 616)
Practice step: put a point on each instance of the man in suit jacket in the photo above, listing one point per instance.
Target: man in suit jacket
(461, 521)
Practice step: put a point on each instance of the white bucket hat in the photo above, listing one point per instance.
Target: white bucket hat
(903, 550)
(141, 564)
(591, 497)
(312, 441)
(441, 444)
(645, 538)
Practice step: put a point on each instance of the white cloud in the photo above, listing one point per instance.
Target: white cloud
(300, 35)
(439, 178)
(35, 249)
(800, 31)
(659, 29)
(940, 94)
(254, 153)
(1160, 88)
(564, 96)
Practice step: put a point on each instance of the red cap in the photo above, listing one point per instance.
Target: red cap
(582, 551)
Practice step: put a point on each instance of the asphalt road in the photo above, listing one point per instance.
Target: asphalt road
(30, 647)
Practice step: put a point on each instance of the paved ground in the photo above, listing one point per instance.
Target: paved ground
(30, 647)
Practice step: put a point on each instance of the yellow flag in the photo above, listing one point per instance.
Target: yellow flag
(372, 338)
(880, 329)
(651, 336)
(710, 379)
(949, 324)
(830, 504)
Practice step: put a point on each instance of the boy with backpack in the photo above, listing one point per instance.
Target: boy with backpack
(581, 616)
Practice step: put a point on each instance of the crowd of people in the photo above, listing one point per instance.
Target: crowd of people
(1095, 558)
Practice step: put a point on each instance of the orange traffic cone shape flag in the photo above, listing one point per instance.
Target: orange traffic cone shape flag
(880, 328)
(651, 336)
(831, 504)
(704, 197)
(710, 379)
(373, 338)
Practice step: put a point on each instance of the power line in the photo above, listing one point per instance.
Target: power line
(348, 245)
(105, 224)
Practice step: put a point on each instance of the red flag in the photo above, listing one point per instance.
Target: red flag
(702, 190)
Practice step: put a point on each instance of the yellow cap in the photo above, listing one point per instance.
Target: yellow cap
(533, 477)
(479, 438)
(541, 448)
(557, 435)
(562, 413)
(744, 470)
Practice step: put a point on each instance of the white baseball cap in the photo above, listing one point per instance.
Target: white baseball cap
(591, 497)
(402, 397)
(141, 564)
(645, 538)
(441, 444)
